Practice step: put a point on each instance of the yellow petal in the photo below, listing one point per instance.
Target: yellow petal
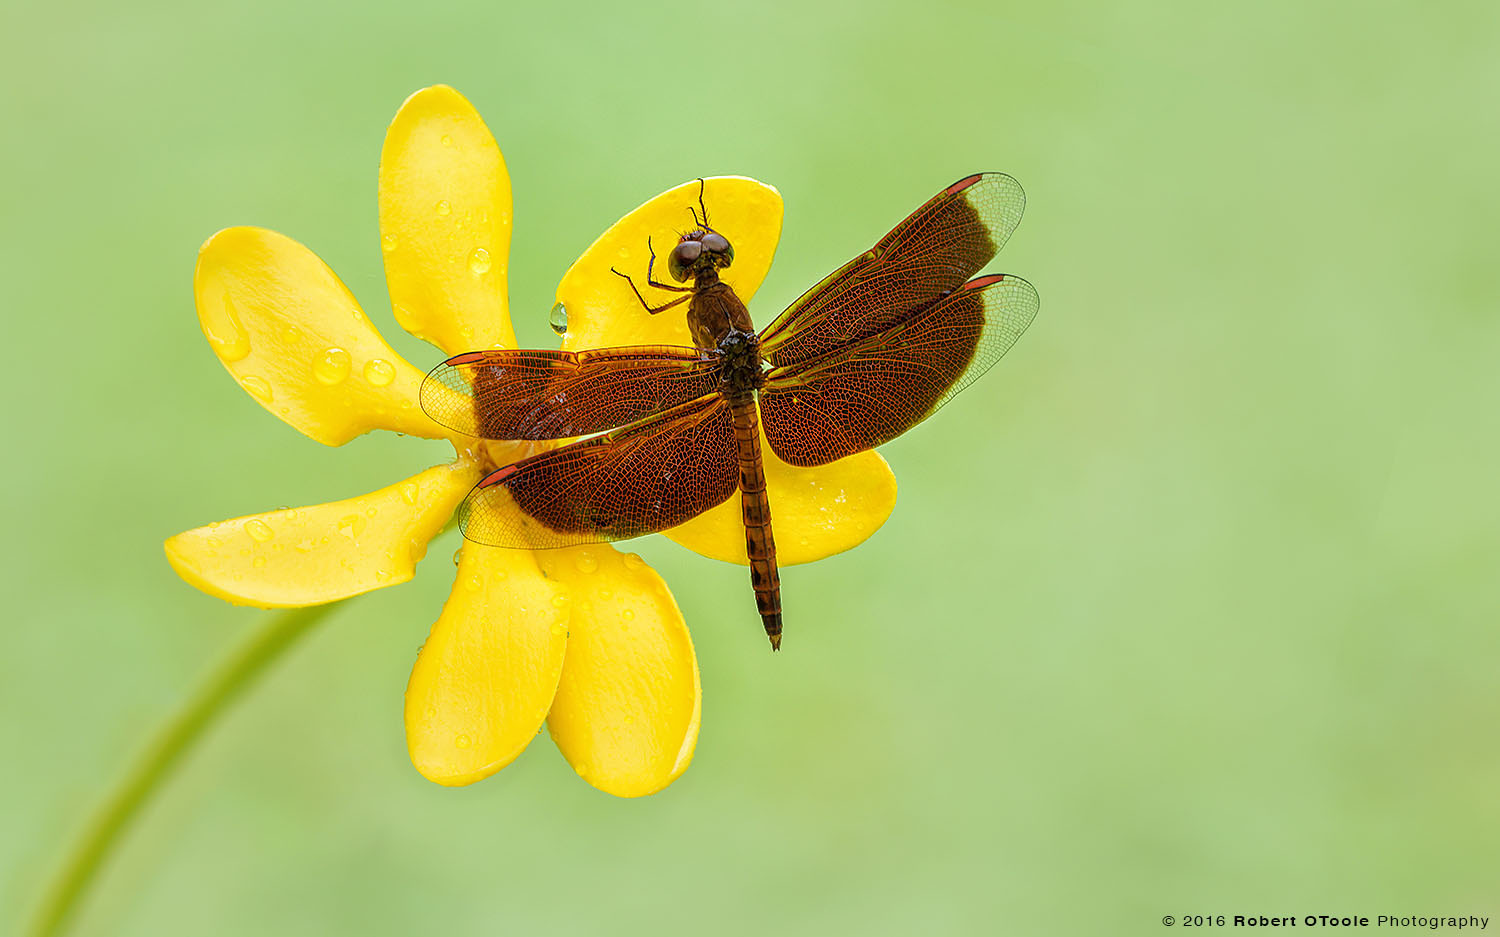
(445, 223)
(815, 512)
(293, 336)
(601, 308)
(308, 556)
(628, 707)
(487, 674)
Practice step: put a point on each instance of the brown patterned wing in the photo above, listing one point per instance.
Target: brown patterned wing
(640, 479)
(513, 394)
(931, 253)
(877, 388)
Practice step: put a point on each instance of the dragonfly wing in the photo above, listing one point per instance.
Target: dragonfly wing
(873, 390)
(934, 251)
(517, 394)
(640, 479)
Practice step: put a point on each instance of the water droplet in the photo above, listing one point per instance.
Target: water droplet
(388, 243)
(587, 564)
(257, 387)
(629, 720)
(443, 208)
(559, 601)
(259, 562)
(226, 335)
(332, 366)
(409, 493)
(380, 372)
(352, 526)
(559, 319)
(472, 584)
(605, 594)
(479, 261)
(456, 554)
(447, 140)
(634, 561)
(627, 614)
(371, 512)
(463, 741)
(557, 629)
(259, 529)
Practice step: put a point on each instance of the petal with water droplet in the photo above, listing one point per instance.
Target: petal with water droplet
(293, 336)
(312, 555)
(445, 215)
(602, 309)
(629, 703)
(485, 678)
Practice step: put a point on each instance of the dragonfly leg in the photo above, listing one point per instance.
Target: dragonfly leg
(648, 307)
(704, 223)
(651, 279)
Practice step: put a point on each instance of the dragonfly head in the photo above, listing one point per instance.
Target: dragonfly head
(699, 251)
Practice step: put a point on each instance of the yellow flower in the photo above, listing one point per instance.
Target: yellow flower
(585, 638)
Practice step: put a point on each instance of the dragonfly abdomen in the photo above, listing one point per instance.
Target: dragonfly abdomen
(760, 545)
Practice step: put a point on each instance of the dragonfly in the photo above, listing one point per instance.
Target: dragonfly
(663, 433)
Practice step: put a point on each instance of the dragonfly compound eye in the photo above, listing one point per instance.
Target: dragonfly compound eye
(718, 244)
(683, 257)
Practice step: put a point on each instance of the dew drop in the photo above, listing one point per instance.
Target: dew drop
(605, 594)
(388, 243)
(447, 140)
(226, 335)
(409, 493)
(479, 261)
(559, 601)
(259, 529)
(473, 584)
(352, 526)
(587, 564)
(444, 209)
(456, 554)
(559, 319)
(634, 561)
(627, 614)
(332, 366)
(257, 388)
(380, 372)
(463, 741)
(557, 629)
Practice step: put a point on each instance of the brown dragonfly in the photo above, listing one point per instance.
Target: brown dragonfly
(875, 348)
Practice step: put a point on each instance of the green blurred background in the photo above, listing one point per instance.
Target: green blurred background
(1190, 606)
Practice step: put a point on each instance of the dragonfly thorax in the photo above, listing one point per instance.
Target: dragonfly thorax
(740, 368)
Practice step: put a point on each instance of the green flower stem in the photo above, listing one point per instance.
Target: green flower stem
(270, 640)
